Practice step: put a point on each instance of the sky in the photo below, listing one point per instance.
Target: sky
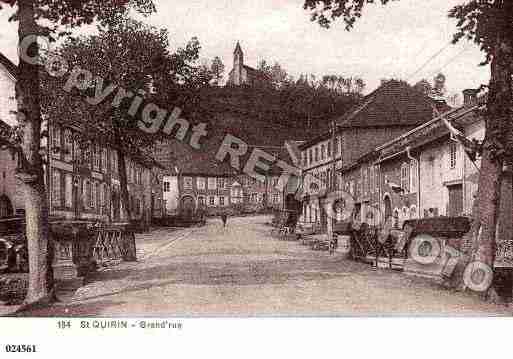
(391, 41)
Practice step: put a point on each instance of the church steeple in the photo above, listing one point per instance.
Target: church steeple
(238, 55)
(238, 64)
(238, 49)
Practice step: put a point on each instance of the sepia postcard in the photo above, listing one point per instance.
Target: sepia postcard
(248, 163)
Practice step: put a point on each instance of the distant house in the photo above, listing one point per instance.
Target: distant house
(196, 180)
(242, 74)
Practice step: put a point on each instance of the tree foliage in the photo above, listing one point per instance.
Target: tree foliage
(217, 68)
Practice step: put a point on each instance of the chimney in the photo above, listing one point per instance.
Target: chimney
(470, 97)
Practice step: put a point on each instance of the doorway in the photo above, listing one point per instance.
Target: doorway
(6, 209)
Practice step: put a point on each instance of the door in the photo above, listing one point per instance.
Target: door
(455, 200)
(188, 207)
(388, 207)
(6, 209)
(115, 206)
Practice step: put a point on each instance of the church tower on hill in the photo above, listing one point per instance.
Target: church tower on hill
(242, 74)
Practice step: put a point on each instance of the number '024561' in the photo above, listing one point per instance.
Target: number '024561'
(23, 348)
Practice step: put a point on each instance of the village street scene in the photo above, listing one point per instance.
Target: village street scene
(309, 159)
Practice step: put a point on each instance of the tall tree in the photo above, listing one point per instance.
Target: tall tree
(217, 68)
(278, 75)
(423, 86)
(37, 18)
(116, 57)
(489, 24)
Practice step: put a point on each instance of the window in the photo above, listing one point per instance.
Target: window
(167, 187)
(104, 160)
(376, 179)
(222, 183)
(339, 147)
(77, 155)
(97, 157)
(114, 162)
(221, 201)
(305, 158)
(452, 155)
(372, 186)
(106, 199)
(68, 191)
(405, 177)
(323, 152)
(56, 186)
(212, 183)
(316, 154)
(276, 198)
(87, 192)
(99, 196)
(56, 142)
(92, 198)
(88, 156)
(254, 197)
(200, 182)
(187, 182)
(68, 145)
(414, 166)
(201, 200)
(329, 148)
(310, 156)
(212, 200)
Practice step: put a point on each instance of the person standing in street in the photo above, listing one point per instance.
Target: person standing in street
(224, 218)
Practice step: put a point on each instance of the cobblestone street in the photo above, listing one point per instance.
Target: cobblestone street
(242, 271)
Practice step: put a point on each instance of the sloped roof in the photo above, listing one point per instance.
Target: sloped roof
(237, 48)
(395, 103)
(9, 65)
(432, 130)
(4, 126)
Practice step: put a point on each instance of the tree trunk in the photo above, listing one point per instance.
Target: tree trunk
(126, 211)
(498, 131)
(31, 173)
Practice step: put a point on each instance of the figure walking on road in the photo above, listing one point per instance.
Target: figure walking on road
(224, 218)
